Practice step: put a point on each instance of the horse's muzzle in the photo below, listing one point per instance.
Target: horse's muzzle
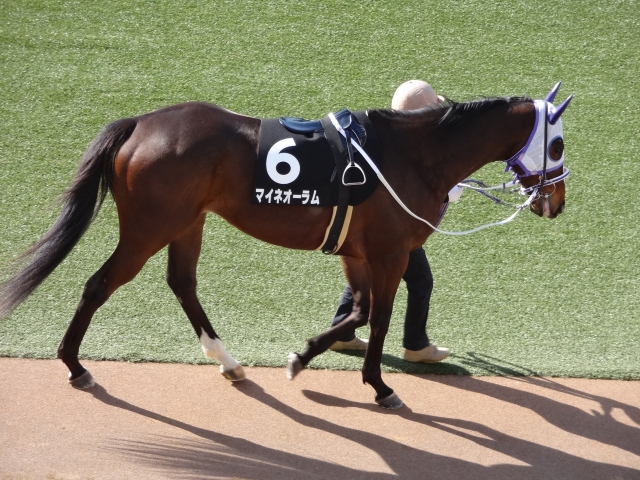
(542, 208)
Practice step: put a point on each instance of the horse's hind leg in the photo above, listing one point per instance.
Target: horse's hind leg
(123, 265)
(181, 277)
(358, 276)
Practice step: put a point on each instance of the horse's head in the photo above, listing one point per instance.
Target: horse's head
(539, 165)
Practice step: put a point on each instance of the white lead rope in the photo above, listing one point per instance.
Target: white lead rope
(504, 186)
(393, 194)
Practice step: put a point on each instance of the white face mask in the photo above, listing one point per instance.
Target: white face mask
(531, 158)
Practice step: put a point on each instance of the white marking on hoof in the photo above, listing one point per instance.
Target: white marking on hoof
(83, 382)
(235, 374)
(294, 365)
(392, 402)
(213, 348)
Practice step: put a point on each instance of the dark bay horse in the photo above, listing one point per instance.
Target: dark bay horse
(168, 168)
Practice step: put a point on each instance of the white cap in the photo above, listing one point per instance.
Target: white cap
(413, 95)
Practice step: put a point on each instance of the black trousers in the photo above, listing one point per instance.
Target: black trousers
(419, 282)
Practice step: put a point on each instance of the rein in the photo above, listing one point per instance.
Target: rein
(482, 189)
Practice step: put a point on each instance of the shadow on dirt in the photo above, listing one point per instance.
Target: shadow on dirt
(215, 455)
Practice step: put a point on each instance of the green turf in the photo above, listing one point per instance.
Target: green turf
(544, 297)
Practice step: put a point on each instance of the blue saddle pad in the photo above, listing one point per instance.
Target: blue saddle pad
(344, 117)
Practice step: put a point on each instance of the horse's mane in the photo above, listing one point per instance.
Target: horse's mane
(451, 114)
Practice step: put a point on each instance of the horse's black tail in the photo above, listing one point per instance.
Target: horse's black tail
(81, 203)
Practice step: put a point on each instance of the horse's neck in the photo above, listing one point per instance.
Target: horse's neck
(445, 156)
(496, 135)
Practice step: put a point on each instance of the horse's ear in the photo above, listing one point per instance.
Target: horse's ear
(553, 117)
(552, 94)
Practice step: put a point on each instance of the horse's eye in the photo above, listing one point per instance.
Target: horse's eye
(556, 148)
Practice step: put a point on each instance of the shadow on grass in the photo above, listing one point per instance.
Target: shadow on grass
(471, 363)
(397, 364)
(489, 365)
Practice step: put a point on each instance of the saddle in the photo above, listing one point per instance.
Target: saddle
(350, 172)
(344, 117)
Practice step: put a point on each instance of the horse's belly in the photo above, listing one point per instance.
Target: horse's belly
(302, 228)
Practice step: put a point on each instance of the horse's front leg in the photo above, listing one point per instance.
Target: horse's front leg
(385, 278)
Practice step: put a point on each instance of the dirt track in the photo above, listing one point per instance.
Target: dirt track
(182, 421)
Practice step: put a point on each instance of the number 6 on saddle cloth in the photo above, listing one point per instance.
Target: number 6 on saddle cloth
(308, 162)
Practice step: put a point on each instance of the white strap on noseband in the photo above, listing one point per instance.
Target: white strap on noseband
(393, 194)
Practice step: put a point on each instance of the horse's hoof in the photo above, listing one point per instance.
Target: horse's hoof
(392, 402)
(83, 382)
(235, 374)
(294, 365)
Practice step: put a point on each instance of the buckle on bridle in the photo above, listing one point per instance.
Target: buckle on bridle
(546, 195)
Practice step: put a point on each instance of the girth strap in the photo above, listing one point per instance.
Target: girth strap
(340, 154)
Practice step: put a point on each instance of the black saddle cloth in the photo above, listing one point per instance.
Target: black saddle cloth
(302, 169)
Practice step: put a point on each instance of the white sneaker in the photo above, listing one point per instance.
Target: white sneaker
(429, 354)
(355, 344)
